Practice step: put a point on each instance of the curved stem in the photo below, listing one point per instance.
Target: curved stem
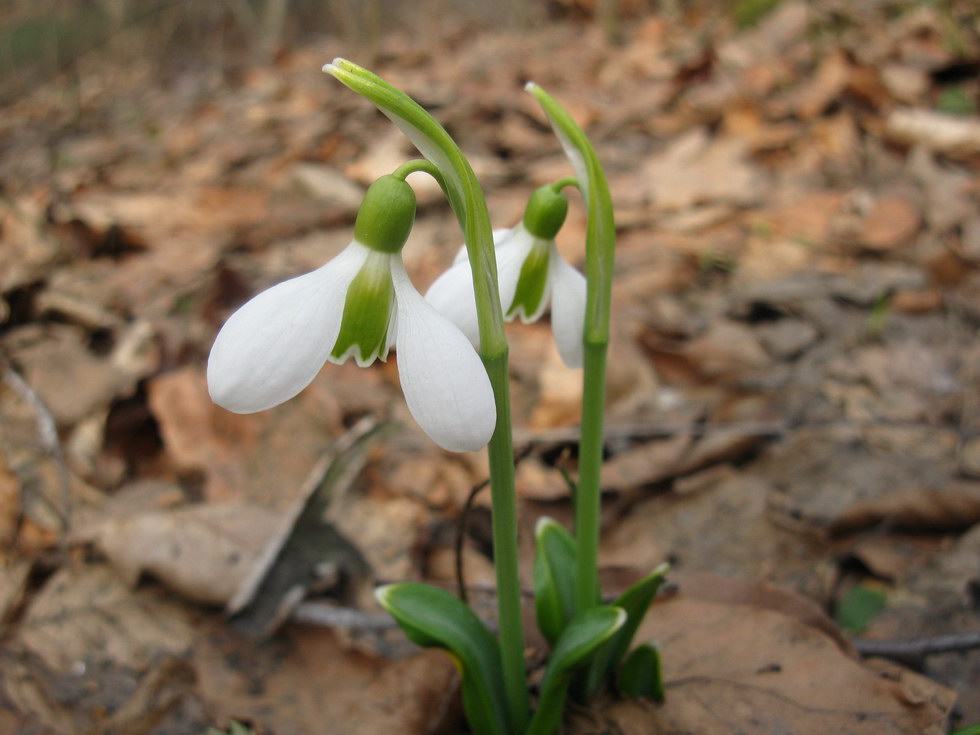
(599, 255)
(421, 165)
(566, 181)
(470, 206)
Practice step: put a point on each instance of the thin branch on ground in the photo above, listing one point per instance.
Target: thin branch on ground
(48, 440)
(914, 650)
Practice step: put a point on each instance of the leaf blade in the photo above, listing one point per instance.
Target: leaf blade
(433, 618)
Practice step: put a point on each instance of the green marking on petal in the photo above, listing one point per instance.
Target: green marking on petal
(531, 283)
(367, 312)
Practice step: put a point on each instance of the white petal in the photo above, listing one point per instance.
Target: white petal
(452, 292)
(452, 296)
(567, 309)
(444, 381)
(274, 345)
(510, 259)
(499, 236)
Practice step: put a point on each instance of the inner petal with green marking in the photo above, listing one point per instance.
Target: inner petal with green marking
(367, 313)
(532, 284)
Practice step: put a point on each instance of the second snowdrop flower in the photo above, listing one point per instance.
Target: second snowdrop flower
(357, 305)
(530, 273)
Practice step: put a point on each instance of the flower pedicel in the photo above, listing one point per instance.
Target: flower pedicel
(530, 271)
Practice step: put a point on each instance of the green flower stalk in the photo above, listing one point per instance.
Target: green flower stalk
(469, 204)
(600, 247)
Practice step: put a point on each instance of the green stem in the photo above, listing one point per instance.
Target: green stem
(420, 164)
(600, 247)
(587, 499)
(565, 181)
(470, 206)
(494, 353)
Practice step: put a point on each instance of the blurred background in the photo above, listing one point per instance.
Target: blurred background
(794, 377)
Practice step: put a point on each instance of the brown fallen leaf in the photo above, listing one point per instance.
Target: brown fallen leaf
(685, 529)
(934, 130)
(203, 552)
(760, 671)
(954, 506)
(307, 682)
(892, 221)
(825, 86)
(86, 614)
(696, 169)
(14, 574)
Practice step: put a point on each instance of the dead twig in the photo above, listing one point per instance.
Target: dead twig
(914, 650)
(461, 526)
(50, 443)
(332, 616)
(766, 429)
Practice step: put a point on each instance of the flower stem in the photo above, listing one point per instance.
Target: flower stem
(587, 499)
(420, 164)
(600, 247)
(470, 206)
(565, 181)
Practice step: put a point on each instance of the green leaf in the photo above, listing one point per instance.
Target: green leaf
(554, 578)
(461, 186)
(641, 673)
(968, 730)
(858, 606)
(587, 631)
(635, 602)
(750, 12)
(600, 237)
(433, 618)
(956, 100)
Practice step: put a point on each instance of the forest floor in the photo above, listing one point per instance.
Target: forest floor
(794, 380)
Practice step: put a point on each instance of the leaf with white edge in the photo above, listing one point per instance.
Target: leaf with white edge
(641, 673)
(587, 631)
(635, 602)
(433, 618)
(601, 234)
(554, 578)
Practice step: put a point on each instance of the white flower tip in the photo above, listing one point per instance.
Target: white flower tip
(336, 66)
(543, 524)
(530, 86)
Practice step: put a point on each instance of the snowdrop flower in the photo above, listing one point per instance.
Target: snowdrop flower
(357, 305)
(530, 271)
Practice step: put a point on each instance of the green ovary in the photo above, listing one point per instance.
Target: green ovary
(532, 282)
(367, 312)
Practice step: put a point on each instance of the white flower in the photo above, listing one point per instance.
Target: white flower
(530, 272)
(358, 304)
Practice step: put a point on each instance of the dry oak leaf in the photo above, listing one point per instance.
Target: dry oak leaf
(87, 613)
(202, 552)
(737, 668)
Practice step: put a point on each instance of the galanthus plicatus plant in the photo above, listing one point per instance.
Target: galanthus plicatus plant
(362, 303)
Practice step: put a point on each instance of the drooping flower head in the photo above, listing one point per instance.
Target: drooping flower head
(358, 305)
(530, 274)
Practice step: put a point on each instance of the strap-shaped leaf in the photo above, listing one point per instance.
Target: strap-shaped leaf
(587, 631)
(554, 578)
(635, 602)
(433, 618)
(641, 673)
(601, 233)
(462, 188)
